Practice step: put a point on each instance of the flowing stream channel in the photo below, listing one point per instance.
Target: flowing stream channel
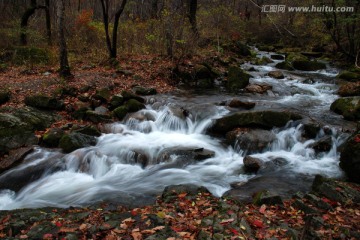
(137, 158)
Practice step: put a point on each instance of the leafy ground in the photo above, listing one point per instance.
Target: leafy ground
(183, 215)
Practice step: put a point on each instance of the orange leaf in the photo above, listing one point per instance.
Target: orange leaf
(182, 195)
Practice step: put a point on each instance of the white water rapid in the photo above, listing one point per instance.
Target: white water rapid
(138, 157)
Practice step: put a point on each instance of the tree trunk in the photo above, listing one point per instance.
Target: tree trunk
(154, 9)
(48, 22)
(24, 22)
(192, 16)
(111, 43)
(63, 57)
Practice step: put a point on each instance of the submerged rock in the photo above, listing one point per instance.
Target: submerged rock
(258, 88)
(276, 74)
(284, 65)
(236, 103)
(251, 140)
(252, 164)
(52, 137)
(144, 91)
(349, 76)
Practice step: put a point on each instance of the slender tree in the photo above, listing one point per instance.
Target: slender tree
(192, 16)
(111, 43)
(64, 70)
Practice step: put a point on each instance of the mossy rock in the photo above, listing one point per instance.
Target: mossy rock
(4, 96)
(294, 56)
(259, 119)
(103, 94)
(95, 117)
(37, 119)
(305, 65)
(285, 65)
(144, 91)
(120, 112)
(15, 133)
(127, 95)
(348, 107)
(116, 101)
(52, 137)
(242, 49)
(237, 79)
(350, 156)
(74, 140)
(262, 61)
(44, 102)
(30, 55)
(205, 83)
(134, 105)
(349, 76)
(88, 130)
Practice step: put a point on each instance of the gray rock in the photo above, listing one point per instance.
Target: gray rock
(252, 164)
(73, 141)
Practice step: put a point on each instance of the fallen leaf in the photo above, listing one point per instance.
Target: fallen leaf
(262, 209)
(226, 221)
(258, 223)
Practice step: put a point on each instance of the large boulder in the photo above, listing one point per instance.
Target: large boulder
(52, 137)
(350, 157)
(4, 96)
(116, 101)
(285, 65)
(306, 65)
(44, 102)
(120, 112)
(251, 140)
(237, 79)
(252, 164)
(127, 95)
(134, 105)
(17, 128)
(260, 119)
(348, 107)
(349, 76)
(74, 140)
(349, 89)
(102, 94)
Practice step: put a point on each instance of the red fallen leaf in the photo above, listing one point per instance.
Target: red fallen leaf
(325, 217)
(133, 212)
(58, 224)
(176, 229)
(258, 224)
(357, 138)
(332, 203)
(234, 231)
(226, 221)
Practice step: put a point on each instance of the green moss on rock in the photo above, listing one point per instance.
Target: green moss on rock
(285, 65)
(120, 112)
(4, 96)
(305, 65)
(348, 107)
(237, 79)
(261, 119)
(349, 76)
(74, 140)
(44, 102)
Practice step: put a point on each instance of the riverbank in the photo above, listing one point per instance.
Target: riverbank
(330, 211)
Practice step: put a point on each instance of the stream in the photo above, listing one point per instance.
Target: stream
(137, 158)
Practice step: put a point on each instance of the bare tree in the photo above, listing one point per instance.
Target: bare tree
(25, 20)
(192, 16)
(111, 43)
(63, 56)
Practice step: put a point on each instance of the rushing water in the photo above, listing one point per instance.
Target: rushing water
(137, 158)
